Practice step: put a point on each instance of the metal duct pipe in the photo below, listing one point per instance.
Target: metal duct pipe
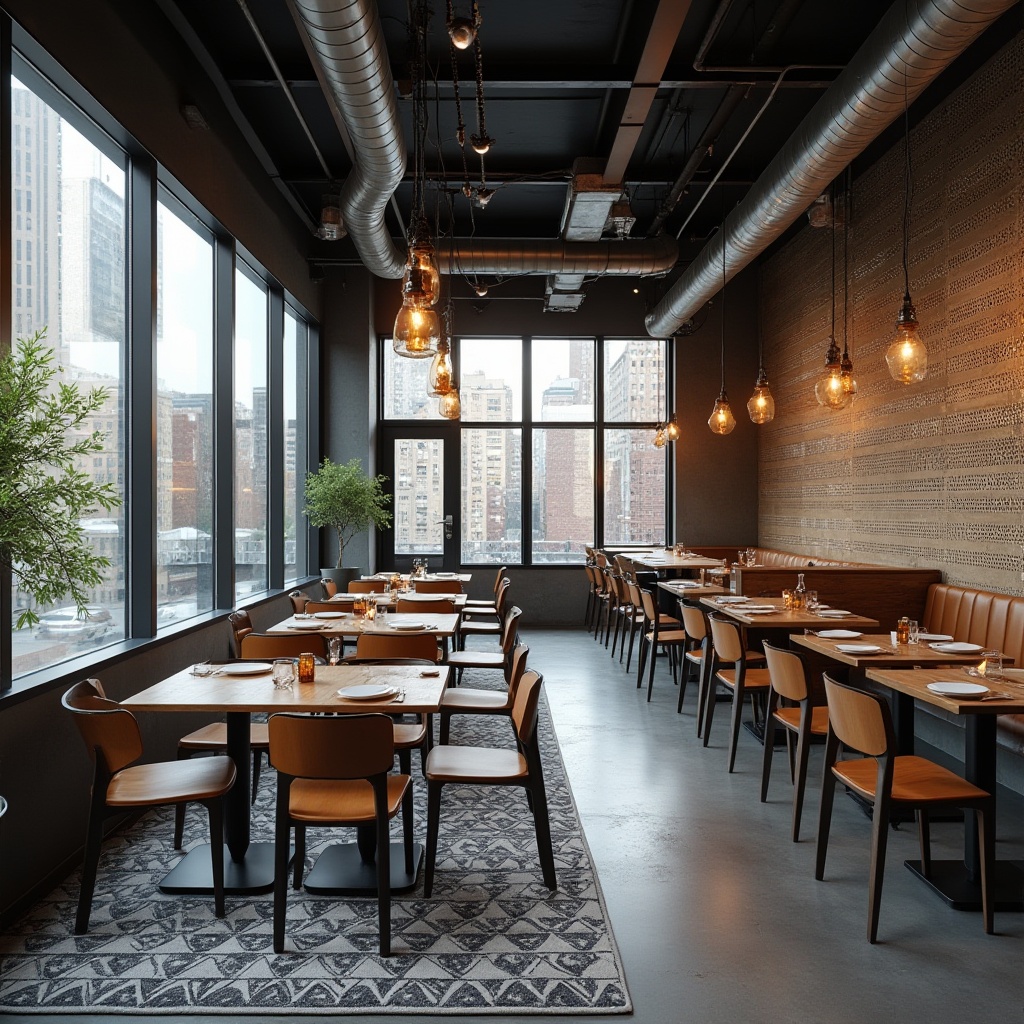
(912, 44)
(349, 45)
(630, 258)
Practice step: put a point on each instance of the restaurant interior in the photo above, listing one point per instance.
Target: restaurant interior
(729, 399)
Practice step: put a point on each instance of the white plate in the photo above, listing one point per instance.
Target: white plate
(305, 625)
(839, 634)
(408, 625)
(244, 668)
(751, 609)
(446, 575)
(934, 636)
(858, 648)
(957, 647)
(834, 613)
(963, 691)
(329, 615)
(367, 691)
(732, 600)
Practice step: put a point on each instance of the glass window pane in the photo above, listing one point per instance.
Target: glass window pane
(296, 335)
(405, 387)
(184, 430)
(419, 496)
(70, 250)
(250, 436)
(563, 379)
(634, 488)
(491, 379)
(563, 495)
(634, 381)
(492, 496)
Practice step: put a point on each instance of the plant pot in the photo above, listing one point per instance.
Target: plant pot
(342, 577)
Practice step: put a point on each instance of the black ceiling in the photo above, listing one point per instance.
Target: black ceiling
(557, 76)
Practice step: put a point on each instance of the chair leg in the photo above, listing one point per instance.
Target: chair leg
(299, 861)
(642, 660)
(543, 827)
(215, 808)
(828, 789)
(986, 848)
(93, 840)
(710, 701)
(407, 823)
(769, 749)
(281, 844)
(803, 751)
(257, 761)
(446, 722)
(879, 841)
(706, 669)
(433, 821)
(650, 670)
(179, 810)
(632, 635)
(924, 840)
(737, 717)
(383, 882)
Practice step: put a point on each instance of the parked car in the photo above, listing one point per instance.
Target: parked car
(74, 626)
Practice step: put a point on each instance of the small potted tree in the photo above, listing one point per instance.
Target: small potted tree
(343, 498)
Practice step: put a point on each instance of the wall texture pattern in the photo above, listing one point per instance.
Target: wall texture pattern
(929, 474)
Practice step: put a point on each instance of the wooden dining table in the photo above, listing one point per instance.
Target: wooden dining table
(392, 597)
(249, 867)
(785, 618)
(958, 881)
(670, 560)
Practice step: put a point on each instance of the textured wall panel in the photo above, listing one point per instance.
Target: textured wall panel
(933, 474)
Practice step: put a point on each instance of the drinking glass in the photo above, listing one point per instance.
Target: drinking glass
(993, 664)
(787, 598)
(334, 650)
(915, 631)
(284, 673)
(202, 668)
(812, 600)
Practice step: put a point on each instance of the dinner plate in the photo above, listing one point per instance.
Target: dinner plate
(305, 625)
(858, 648)
(446, 575)
(760, 608)
(834, 613)
(732, 600)
(408, 625)
(367, 691)
(244, 668)
(957, 647)
(962, 691)
(839, 634)
(934, 636)
(329, 615)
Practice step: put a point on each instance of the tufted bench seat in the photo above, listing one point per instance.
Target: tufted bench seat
(787, 559)
(985, 618)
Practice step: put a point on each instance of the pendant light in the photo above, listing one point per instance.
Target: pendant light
(907, 356)
(761, 404)
(828, 389)
(442, 372)
(721, 420)
(672, 431)
(848, 380)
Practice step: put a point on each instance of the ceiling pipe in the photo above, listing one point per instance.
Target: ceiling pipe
(912, 45)
(352, 64)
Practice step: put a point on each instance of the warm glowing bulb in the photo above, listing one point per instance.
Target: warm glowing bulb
(761, 405)
(659, 437)
(481, 145)
(422, 277)
(441, 374)
(722, 420)
(450, 405)
(828, 389)
(417, 332)
(672, 430)
(907, 356)
(462, 32)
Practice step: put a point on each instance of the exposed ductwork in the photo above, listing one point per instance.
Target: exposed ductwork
(348, 43)
(913, 43)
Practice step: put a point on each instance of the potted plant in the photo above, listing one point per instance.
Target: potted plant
(343, 498)
(43, 496)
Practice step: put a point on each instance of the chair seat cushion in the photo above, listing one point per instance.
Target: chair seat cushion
(409, 734)
(215, 737)
(482, 628)
(480, 603)
(171, 782)
(474, 700)
(474, 764)
(476, 659)
(790, 718)
(915, 780)
(668, 620)
(755, 678)
(668, 636)
(339, 801)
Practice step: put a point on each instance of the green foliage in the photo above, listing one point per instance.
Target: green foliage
(342, 497)
(43, 498)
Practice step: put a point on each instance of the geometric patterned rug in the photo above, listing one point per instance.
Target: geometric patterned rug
(491, 939)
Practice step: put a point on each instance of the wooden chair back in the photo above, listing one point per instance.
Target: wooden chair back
(299, 600)
(694, 623)
(366, 587)
(439, 607)
(312, 607)
(437, 586)
(635, 597)
(510, 629)
(329, 588)
(331, 746)
(517, 667)
(502, 596)
(240, 625)
(650, 610)
(497, 579)
(601, 559)
(860, 720)
(260, 646)
(396, 645)
(786, 671)
(524, 710)
(727, 639)
(109, 730)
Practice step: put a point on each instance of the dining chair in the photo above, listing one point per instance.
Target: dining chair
(366, 587)
(299, 601)
(637, 621)
(489, 766)
(591, 575)
(437, 586)
(802, 721)
(659, 630)
(240, 625)
(260, 646)
(397, 645)
(112, 737)
(479, 607)
(312, 607)
(335, 771)
(469, 701)
(470, 628)
(441, 606)
(728, 643)
(697, 650)
(500, 659)
(328, 587)
(862, 722)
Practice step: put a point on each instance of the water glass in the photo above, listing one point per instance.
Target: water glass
(812, 600)
(202, 668)
(284, 673)
(334, 650)
(787, 599)
(915, 631)
(993, 664)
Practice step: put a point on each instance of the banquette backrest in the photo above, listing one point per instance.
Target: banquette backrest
(769, 556)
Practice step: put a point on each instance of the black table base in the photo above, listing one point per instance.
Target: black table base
(949, 880)
(194, 873)
(341, 871)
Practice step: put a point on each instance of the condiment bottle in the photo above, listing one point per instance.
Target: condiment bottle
(307, 668)
(800, 593)
(903, 631)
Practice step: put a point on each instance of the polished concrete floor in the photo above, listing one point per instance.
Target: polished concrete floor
(716, 912)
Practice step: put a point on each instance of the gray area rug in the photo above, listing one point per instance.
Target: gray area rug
(491, 939)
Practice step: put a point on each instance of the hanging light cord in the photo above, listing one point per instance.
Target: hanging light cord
(833, 336)
(723, 304)
(907, 186)
(481, 120)
(846, 262)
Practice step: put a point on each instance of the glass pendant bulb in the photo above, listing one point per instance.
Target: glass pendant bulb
(828, 389)
(450, 405)
(907, 356)
(846, 376)
(441, 374)
(659, 436)
(761, 404)
(722, 420)
(417, 332)
(672, 431)
(421, 258)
